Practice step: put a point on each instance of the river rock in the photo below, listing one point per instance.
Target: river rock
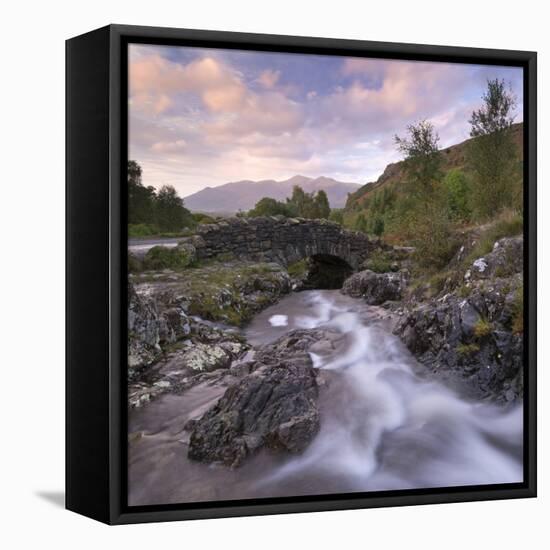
(148, 328)
(273, 407)
(376, 288)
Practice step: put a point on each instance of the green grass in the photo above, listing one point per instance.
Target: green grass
(467, 349)
(137, 230)
(482, 328)
(508, 224)
(298, 269)
(161, 257)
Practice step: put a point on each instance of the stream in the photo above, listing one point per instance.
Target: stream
(384, 424)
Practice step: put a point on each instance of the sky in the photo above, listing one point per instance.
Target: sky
(204, 117)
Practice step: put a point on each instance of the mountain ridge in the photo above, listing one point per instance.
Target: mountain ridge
(244, 194)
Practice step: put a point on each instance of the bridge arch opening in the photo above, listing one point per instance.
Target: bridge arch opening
(326, 272)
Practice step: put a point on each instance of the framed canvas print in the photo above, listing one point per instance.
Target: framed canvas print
(301, 274)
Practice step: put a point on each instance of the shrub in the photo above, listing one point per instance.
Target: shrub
(134, 264)
(298, 269)
(137, 230)
(467, 349)
(379, 262)
(337, 215)
(161, 257)
(482, 328)
(508, 224)
(458, 192)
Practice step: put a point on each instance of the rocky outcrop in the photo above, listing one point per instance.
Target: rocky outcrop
(376, 288)
(473, 335)
(274, 406)
(279, 239)
(178, 322)
(148, 329)
(504, 260)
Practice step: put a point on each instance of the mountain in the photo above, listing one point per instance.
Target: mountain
(243, 195)
(394, 174)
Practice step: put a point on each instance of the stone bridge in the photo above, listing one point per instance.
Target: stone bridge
(280, 239)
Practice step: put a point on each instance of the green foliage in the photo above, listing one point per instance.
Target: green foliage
(320, 200)
(170, 213)
(379, 262)
(298, 269)
(423, 216)
(361, 223)
(492, 156)
(300, 203)
(162, 257)
(458, 195)
(200, 218)
(137, 230)
(337, 215)
(376, 225)
(422, 156)
(467, 349)
(482, 328)
(271, 207)
(508, 224)
(309, 205)
(140, 198)
(163, 211)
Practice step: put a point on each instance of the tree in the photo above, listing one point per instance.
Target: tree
(271, 207)
(492, 155)
(337, 215)
(458, 195)
(422, 156)
(427, 220)
(140, 199)
(376, 226)
(361, 223)
(309, 205)
(322, 204)
(298, 199)
(170, 212)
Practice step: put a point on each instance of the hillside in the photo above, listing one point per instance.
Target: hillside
(243, 195)
(393, 175)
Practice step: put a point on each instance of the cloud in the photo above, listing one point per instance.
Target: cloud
(203, 117)
(269, 78)
(154, 81)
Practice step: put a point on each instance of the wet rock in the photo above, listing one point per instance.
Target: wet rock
(207, 357)
(273, 407)
(470, 339)
(148, 328)
(376, 288)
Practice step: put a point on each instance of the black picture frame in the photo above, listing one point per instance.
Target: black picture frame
(96, 278)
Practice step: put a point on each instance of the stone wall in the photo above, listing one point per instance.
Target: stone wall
(279, 239)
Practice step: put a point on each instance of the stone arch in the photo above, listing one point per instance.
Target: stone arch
(282, 240)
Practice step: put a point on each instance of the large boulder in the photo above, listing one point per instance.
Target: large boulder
(470, 339)
(504, 260)
(148, 328)
(273, 407)
(376, 288)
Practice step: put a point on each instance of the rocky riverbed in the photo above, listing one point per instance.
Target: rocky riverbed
(240, 387)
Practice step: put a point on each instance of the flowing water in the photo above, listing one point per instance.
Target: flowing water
(384, 424)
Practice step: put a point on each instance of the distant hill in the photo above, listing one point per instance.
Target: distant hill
(453, 157)
(243, 195)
